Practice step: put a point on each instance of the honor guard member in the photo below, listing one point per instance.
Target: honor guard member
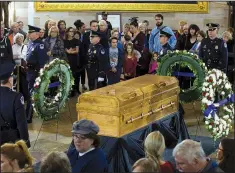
(105, 17)
(213, 50)
(164, 37)
(36, 59)
(5, 46)
(12, 113)
(97, 61)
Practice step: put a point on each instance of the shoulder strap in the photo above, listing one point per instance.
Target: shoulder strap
(22, 48)
(158, 31)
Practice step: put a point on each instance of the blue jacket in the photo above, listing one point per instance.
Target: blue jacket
(93, 161)
(154, 39)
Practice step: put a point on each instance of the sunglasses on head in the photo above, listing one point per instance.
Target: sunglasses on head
(212, 29)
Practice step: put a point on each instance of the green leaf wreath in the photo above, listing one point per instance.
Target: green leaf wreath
(219, 123)
(184, 59)
(46, 106)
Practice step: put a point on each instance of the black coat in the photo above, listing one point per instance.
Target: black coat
(12, 117)
(214, 53)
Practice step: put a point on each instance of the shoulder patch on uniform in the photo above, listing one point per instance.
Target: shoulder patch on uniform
(225, 45)
(102, 51)
(41, 46)
(22, 100)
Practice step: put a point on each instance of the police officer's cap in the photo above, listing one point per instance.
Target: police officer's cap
(164, 33)
(104, 13)
(33, 29)
(84, 127)
(6, 70)
(95, 34)
(212, 25)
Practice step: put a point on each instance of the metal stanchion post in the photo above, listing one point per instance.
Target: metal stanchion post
(18, 78)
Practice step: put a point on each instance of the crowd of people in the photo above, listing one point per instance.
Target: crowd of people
(85, 155)
(107, 56)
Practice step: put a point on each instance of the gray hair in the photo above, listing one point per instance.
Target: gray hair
(56, 162)
(103, 22)
(13, 24)
(189, 150)
(227, 34)
(18, 35)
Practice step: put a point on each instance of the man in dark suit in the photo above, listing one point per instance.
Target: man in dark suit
(12, 113)
(105, 17)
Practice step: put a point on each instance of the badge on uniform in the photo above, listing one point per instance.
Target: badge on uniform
(225, 45)
(161, 52)
(102, 51)
(136, 42)
(32, 49)
(204, 46)
(41, 46)
(94, 52)
(216, 47)
(22, 100)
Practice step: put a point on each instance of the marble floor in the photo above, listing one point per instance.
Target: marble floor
(55, 135)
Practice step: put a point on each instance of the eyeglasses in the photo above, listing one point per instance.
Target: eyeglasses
(219, 149)
(81, 138)
(212, 29)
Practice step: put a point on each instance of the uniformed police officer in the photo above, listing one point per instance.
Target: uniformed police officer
(164, 37)
(5, 46)
(12, 113)
(97, 62)
(105, 17)
(213, 51)
(36, 59)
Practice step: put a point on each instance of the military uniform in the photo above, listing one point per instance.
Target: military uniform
(12, 113)
(166, 46)
(97, 64)
(5, 49)
(36, 59)
(214, 52)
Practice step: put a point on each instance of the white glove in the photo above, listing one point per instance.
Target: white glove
(100, 79)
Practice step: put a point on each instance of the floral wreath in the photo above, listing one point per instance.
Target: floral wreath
(45, 105)
(218, 122)
(184, 59)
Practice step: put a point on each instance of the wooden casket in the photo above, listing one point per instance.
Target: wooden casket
(124, 107)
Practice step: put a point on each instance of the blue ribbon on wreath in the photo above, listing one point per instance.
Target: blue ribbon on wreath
(184, 74)
(213, 109)
(54, 84)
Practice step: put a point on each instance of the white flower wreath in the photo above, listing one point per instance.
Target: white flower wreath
(218, 122)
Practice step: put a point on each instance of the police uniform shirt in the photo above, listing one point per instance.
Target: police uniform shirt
(37, 54)
(6, 49)
(214, 53)
(97, 62)
(12, 110)
(164, 49)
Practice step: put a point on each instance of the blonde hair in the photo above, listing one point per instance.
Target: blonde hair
(127, 25)
(227, 34)
(18, 35)
(19, 152)
(154, 146)
(113, 31)
(146, 165)
(53, 27)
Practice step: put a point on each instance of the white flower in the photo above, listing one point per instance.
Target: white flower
(177, 51)
(204, 100)
(222, 93)
(203, 88)
(227, 86)
(229, 120)
(226, 117)
(210, 126)
(37, 83)
(206, 122)
(227, 131)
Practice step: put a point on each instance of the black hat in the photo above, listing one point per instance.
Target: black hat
(104, 13)
(6, 70)
(165, 33)
(84, 127)
(33, 29)
(212, 25)
(95, 33)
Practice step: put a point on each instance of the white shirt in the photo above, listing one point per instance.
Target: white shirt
(81, 154)
(18, 52)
